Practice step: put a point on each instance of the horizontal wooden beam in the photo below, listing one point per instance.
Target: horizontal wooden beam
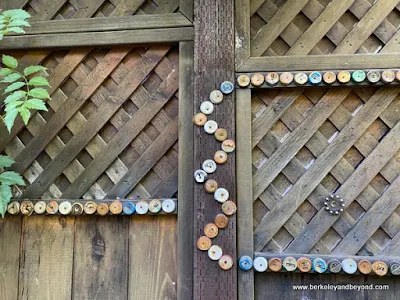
(321, 62)
(105, 38)
(386, 259)
(108, 24)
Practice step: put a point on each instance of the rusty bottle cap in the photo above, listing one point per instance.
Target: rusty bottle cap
(27, 208)
(225, 262)
(272, 78)
(211, 230)
(229, 208)
(286, 78)
(364, 266)
(343, 76)
(380, 268)
(52, 207)
(243, 80)
(221, 221)
(220, 157)
(221, 134)
(329, 77)
(155, 206)
(275, 264)
(228, 146)
(203, 243)
(116, 207)
(388, 76)
(199, 119)
(216, 96)
(257, 80)
(102, 209)
(13, 208)
(211, 186)
(304, 264)
(90, 207)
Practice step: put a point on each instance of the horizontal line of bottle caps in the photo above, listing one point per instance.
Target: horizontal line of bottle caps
(325, 264)
(92, 207)
(318, 78)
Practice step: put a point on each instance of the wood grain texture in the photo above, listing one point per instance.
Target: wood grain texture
(213, 64)
(242, 32)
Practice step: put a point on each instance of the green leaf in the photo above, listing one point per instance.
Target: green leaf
(5, 71)
(39, 93)
(33, 69)
(35, 104)
(12, 105)
(5, 197)
(9, 61)
(9, 119)
(15, 96)
(14, 29)
(5, 161)
(12, 77)
(19, 23)
(25, 114)
(16, 14)
(14, 86)
(11, 178)
(38, 81)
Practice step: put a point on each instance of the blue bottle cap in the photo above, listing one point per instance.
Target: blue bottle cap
(245, 263)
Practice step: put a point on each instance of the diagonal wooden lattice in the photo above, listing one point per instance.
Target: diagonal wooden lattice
(301, 27)
(111, 130)
(308, 144)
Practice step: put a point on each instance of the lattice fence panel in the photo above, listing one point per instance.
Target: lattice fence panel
(317, 27)
(311, 143)
(112, 126)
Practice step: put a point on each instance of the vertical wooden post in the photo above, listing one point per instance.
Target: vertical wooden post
(213, 64)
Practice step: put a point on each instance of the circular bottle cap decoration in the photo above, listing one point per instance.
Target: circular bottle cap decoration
(221, 195)
(289, 264)
(243, 80)
(229, 208)
(364, 266)
(343, 77)
(221, 221)
(13, 208)
(116, 207)
(155, 206)
(221, 134)
(304, 264)
(216, 96)
(209, 166)
(388, 76)
(40, 207)
(65, 208)
(286, 78)
(373, 76)
(380, 268)
(102, 209)
(200, 176)
(206, 107)
(245, 263)
(220, 157)
(77, 209)
(315, 77)
(90, 207)
(129, 208)
(226, 87)
(27, 208)
(260, 264)
(52, 207)
(301, 78)
(319, 265)
(203, 243)
(358, 76)
(272, 78)
(329, 77)
(210, 127)
(168, 206)
(211, 230)
(398, 75)
(228, 146)
(257, 80)
(211, 186)
(395, 267)
(215, 252)
(275, 264)
(142, 207)
(225, 262)
(349, 266)
(199, 119)
(334, 266)
(334, 204)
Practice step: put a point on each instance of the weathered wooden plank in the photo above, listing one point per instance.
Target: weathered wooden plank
(244, 190)
(186, 8)
(171, 20)
(321, 62)
(185, 164)
(275, 219)
(10, 232)
(127, 7)
(46, 258)
(281, 157)
(214, 63)
(242, 32)
(101, 258)
(268, 33)
(393, 249)
(6, 4)
(317, 30)
(153, 263)
(371, 221)
(105, 38)
(46, 10)
(366, 26)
